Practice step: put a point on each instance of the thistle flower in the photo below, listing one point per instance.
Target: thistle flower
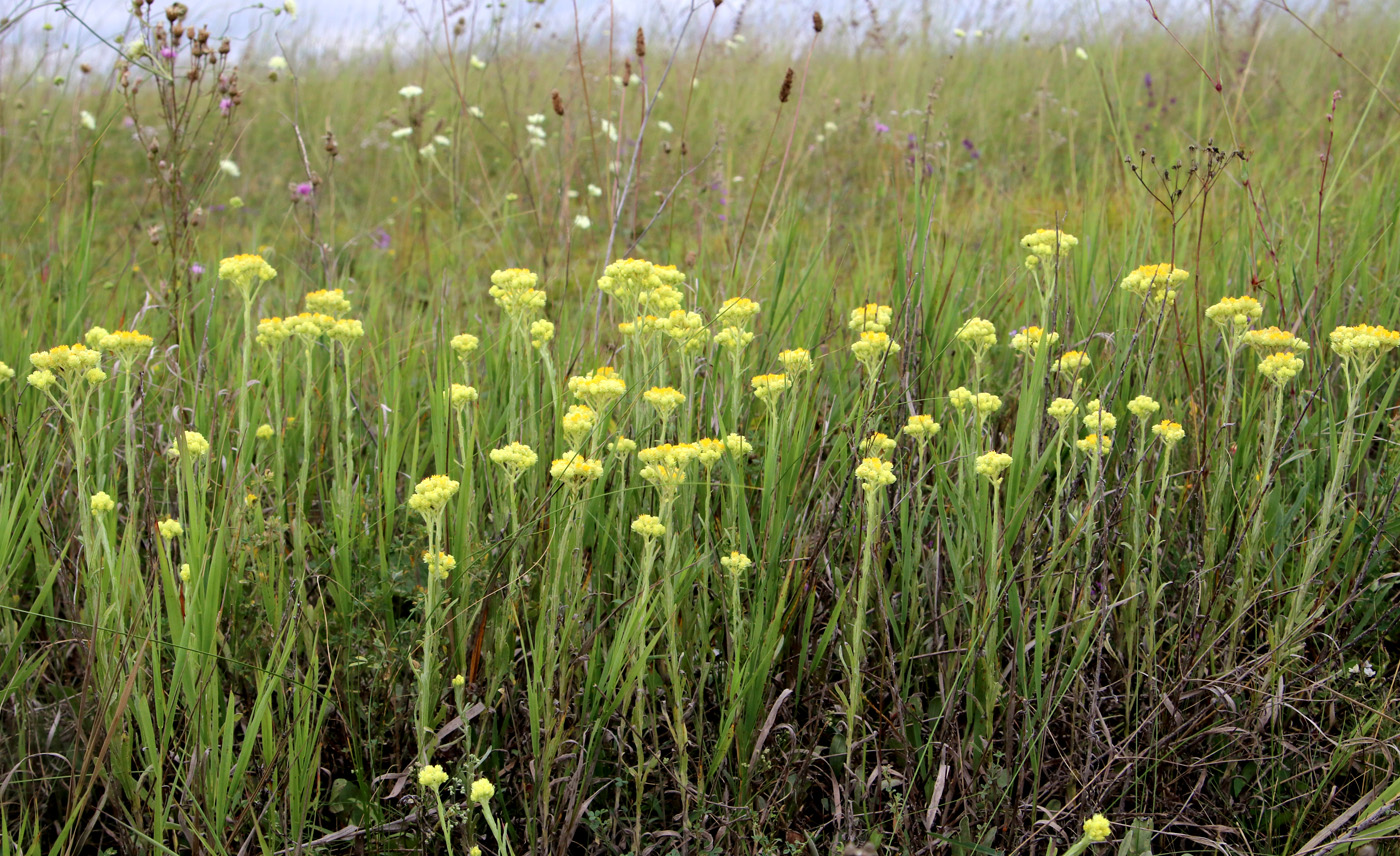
(664, 400)
(737, 311)
(440, 565)
(431, 495)
(767, 387)
(961, 398)
(459, 395)
(735, 563)
(737, 446)
(921, 427)
(482, 790)
(515, 459)
(541, 332)
(1049, 243)
(1272, 340)
(246, 271)
(1062, 410)
(1155, 282)
(1032, 340)
(795, 361)
(874, 474)
(733, 338)
(987, 404)
(599, 388)
(991, 465)
(711, 450)
(648, 526)
(1280, 368)
(871, 348)
(1143, 407)
(578, 423)
(432, 776)
(979, 335)
(1097, 419)
(170, 529)
(1235, 312)
(1072, 362)
(264, 432)
(870, 318)
(1097, 828)
(877, 445)
(463, 344)
(1095, 444)
(328, 302)
(101, 503)
(1169, 432)
(194, 441)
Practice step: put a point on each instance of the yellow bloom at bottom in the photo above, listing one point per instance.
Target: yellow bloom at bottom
(1097, 828)
(432, 776)
(482, 790)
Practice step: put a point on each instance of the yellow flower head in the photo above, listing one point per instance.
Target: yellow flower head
(661, 300)
(991, 465)
(101, 503)
(515, 459)
(678, 455)
(464, 343)
(688, 330)
(622, 446)
(185, 573)
(541, 332)
(1071, 362)
(5, 371)
(1097, 419)
(1143, 407)
(328, 302)
(579, 423)
(1097, 828)
(987, 404)
(514, 291)
(664, 400)
(1235, 312)
(1363, 344)
(711, 450)
(95, 376)
(431, 495)
(1095, 444)
(1049, 243)
(346, 331)
(737, 311)
(245, 271)
(921, 427)
(961, 398)
(459, 681)
(67, 360)
(735, 563)
(1032, 340)
(648, 526)
(1272, 340)
(795, 361)
(870, 318)
(666, 479)
(264, 432)
(598, 389)
(482, 790)
(170, 529)
(42, 379)
(733, 338)
(1155, 282)
(1169, 432)
(459, 395)
(877, 445)
(626, 279)
(309, 326)
(94, 336)
(440, 565)
(1280, 368)
(194, 441)
(767, 387)
(874, 474)
(738, 447)
(432, 776)
(127, 345)
(1062, 410)
(272, 332)
(871, 349)
(979, 335)
(576, 470)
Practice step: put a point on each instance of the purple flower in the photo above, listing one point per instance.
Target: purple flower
(197, 269)
(881, 127)
(304, 189)
(971, 149)
(167, 53)
(225, 105)
(1147, 80)
(381, 239)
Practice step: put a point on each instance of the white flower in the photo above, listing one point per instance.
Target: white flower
(665, 126)
(411, 91)
(401, 133)
(87, 120)
(442, 141)
(475, 112)
(427, 151)
(960, 33)
(477, 63)
(290, 7)
(230, 168)
(535, 119)
(582, 221)
(595, 190)
(1081, 53)
(830, 127)
(277, 63)
(572, 194)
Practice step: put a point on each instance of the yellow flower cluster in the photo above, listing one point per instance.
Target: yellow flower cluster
(961, 398)
(648, 526)
(598, 389)
(482, 790)
(1155, 282)
(170, 529)
(987, 404)
(514, 291)
(767, 387)
(664, 400)
(1062, 410)
(686, 329)
(626, 279)
(1097, 828)
(921, 427)
(735, 563)
(127, 345)
(579, 423)
(737, 311)
(877, 445)
(309, 326)
(441, 565)
(541, 332)
(264, 432)
(678, 455)
(101, 503)
(515, 459)
(272, 332)
(194, 441)
(1032, 340)
(711, 450)
(979, 335)
(870, 318)
(871, 348)
(185, 573)
(1169, 432)
(991, 465)
(346, 331)
(1143, 407)
(432, 776)
(1097, 444)
(1280, 368)
(1072, 362)
(1097, 419)
(463, 344)
(795, 361)
(5, 371)
(1272, 340)
(328, 302)
(737, 446)
(66, 360)
(245, 271)
(1364, 344)
(733, 338)
(1235, 312)
(576, 470)
(1046, 244)
(432, 494)
(874, 474)
(622, 446)
(460, 395)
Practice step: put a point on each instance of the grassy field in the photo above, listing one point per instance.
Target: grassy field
(664, 449)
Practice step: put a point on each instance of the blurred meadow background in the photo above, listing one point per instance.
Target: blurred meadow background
(547, 427)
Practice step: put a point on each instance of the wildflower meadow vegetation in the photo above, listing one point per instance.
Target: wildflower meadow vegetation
(682, 436)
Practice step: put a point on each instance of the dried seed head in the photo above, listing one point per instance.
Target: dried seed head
(626, 72)
(331, 148)
(786, 91)
(817, 23)
(224, 47)
(641, 44)
(176, 11)
(557, 100)
(85, 68)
